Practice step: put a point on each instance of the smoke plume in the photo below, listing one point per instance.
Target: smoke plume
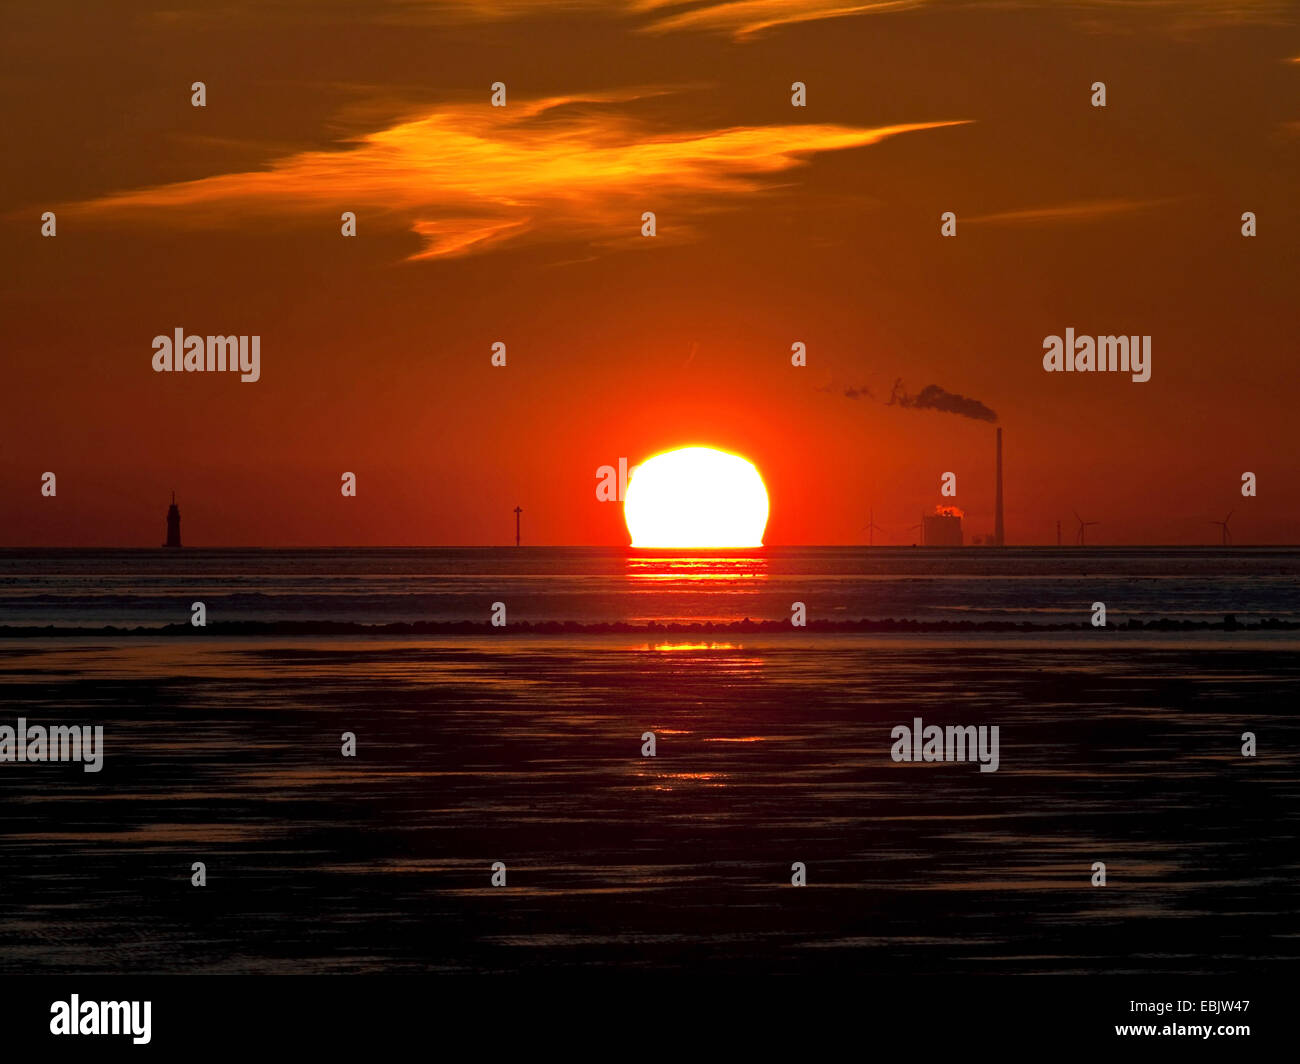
(932, 397)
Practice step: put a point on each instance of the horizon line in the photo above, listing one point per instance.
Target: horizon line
(973, 547)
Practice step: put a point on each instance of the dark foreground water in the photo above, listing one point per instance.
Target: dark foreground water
(1124, 749)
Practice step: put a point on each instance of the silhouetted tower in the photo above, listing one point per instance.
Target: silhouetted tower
(173, 524)
(518, 511)
(999, 539)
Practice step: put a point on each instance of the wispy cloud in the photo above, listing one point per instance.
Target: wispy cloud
(1081, 211)
(744, 18)
(1187, 14)
(469, 177)
(747, 18)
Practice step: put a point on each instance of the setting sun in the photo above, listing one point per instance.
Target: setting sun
(696, 497)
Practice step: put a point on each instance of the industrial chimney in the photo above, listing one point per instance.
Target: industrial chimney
(999, 537)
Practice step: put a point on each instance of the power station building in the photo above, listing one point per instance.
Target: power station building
(942, 528)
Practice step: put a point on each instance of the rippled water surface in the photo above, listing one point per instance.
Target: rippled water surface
(594, 585)
(770, 750)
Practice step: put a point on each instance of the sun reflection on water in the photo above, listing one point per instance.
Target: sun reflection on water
(692, 567)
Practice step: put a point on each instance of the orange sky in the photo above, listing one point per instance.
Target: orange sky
(522, 224)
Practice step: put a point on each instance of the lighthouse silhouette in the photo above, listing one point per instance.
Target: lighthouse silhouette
(173, 524)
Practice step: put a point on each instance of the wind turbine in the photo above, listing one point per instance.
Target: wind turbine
(872, 528)
(1081, 539)
(1223, 525)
